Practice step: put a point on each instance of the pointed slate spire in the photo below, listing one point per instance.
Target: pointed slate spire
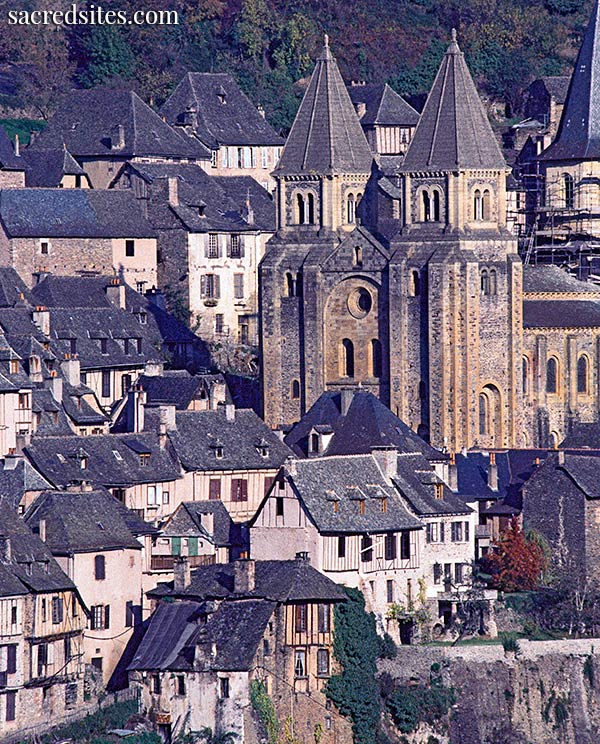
(326, 136)
(454, 131)
(578, 135)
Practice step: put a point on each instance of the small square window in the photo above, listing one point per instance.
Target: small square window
(44, 248)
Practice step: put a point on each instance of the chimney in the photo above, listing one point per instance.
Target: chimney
(41, 318)
(23, 438)
(247, 211)
(115, 291)
(190, 117)
(153, 368)
(86, 486)
(346, 396)
(11, 459)
(493, 473)
(167, 422)
(229, 412)
(261, 110)
(217, 394)
(561, 457)
(117, 140)
(244, 576)
(5, 549)
(71, 369)
(17, 146)
(303, 557)
(173, 186)
(205, 652)
(208, 523)
(387, 459)
(452, 473)
(361, 109)
(42, 529)
(136, 402)
(290, 465)
(181, 573)
(55, 384)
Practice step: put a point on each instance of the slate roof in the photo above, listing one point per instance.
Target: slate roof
(81, 522)
(17, 476)
(416, 481)
(198, 433)
(187, 519)
(11, 287)
(72, 213)
(326, 136)
(368, 423)
(554, 280)
(578, 135)
(583, 469)
(177, 387)
(47, 168)
(59, 458)
(582, 436)
(348, 480)
(48, 409)
(225, 115)
(383, 106)
(87, 124)
(557, 86)
(561, 313)
(31, 566)
(453, 131)
(8, 159)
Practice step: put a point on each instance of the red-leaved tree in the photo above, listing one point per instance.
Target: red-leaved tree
(515, 562)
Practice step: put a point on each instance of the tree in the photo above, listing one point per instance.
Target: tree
(516, 562)
(106, 56)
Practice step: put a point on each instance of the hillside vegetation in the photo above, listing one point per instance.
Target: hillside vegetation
(269, 45)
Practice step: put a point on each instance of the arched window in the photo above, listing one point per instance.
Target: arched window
(493, 282)
(376, 361)
(425, 207)
(295, 389)
(477, 205)
(99, 567)
(350, 209)
(414, 287)
(347, 365)
(484, 414)
(582, 375)
(290, 289)
(436, 206)
(554, 439)
(300, 210)
(525, 370)
(311, 209)
(487, 206)
(358, 257)
(552, 376)
(569, 185)
(485, 282)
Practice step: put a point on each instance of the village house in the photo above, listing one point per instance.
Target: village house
(41, 230)
(53, 169)
(226, 628)
(42, 619)
(90, 538)
(12, 169)
(211, 108)
(103, 129)
(212, 233)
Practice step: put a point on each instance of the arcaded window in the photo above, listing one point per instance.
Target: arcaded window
(493, 282)
(477, 205)
(295, 389)
(436, 206)
(311, 209)
(582, 375)
(484, 414)
(485, 282)
(552, 376)
(350, 209)
(569, 186)
(425, 207)
(414, 287)
(487, 205)
(300, 210)
(525, 375)
(347, 365)
(290, 288)
(376, 361)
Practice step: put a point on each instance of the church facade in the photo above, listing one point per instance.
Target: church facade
(404, 280)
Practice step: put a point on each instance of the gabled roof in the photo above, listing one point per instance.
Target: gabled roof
(47, 168)
(554, 280)
(8, 159)
(326, 136)
(557, 86)
(17, 476)
(224, 115)
(583, 436)
(561, 313)
(347, 480)
(417, 482)
(30, 565)
(453, 131)
(81, 522)
(178, 387)
(578, 135)
(383, 106)
(199, 435)
(72, 213)
(12, 287)
(190, 519)
(87, 123)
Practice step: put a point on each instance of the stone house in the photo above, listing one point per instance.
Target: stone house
(103, 129)
(53, 169)
(43, 229)
(12, 169)
(211, 108)
(561, 501)
(216, 228)
(88, 534)
(388, 121)
(544, 100)
(226, 627)
(42, 619)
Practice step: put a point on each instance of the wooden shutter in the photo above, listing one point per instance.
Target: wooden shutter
(11, 659)
(214, 489)
(106, 616)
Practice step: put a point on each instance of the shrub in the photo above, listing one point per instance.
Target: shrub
(387, 647)
(510, 643)
(411, 706)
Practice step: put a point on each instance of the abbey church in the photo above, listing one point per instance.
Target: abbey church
(401, 277)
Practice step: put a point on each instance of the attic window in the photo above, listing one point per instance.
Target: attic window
(14, 366)
(262, 448)
(439, 491)
(384, 505)
(221, 95)
(143, 318)
(144, 459)
(117, 455)
(361, 506)
(83, 462)
(61, 458)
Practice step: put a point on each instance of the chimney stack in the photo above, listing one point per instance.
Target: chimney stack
(173, 186)
(153, 368)
(229, 412)
(42, 529)
(561, 457)
(244, 576)
(181, 573)
(41, 318)
(5, 549)
(387, 459)
(71, 369)
(452, 473)
(115, 291)
(493, 473)
(136, 402)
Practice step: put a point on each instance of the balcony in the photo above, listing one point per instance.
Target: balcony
(166, 562)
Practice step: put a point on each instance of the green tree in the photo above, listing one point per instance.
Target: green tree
(106, 55)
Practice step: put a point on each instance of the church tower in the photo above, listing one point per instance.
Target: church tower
(323, 313)
(455, 276)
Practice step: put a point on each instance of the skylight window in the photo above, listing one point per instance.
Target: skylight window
(117, 455)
